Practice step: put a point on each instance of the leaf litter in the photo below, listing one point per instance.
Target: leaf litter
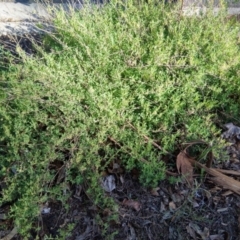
(184, 167)
(194, 208)
(132, 204)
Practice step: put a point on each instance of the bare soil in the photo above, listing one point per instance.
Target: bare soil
(169, 212)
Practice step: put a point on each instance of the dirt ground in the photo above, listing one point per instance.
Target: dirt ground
(169, 212)
(172, 211)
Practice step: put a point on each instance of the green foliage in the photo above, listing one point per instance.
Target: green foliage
(174, 180)
(105, 80)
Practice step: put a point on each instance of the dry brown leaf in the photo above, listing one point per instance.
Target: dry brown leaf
(227, 193)
(204, 234)
(195, 204)
(107, 212)
(215, 189)
(191, 232)
(184, 167)
(154, 191)
(172, 206)
(132, 204)
(177, 198)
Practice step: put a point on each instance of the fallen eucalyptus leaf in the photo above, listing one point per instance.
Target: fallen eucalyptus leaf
(204, 234)
(185, 167)
(132, 204)
(172, 206)
(154, 191)
(191, 232)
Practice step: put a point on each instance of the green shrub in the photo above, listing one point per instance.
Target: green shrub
(109, 83)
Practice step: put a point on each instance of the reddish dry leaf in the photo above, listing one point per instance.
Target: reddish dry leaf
(185, 167)
(132, 204)
(107, 212)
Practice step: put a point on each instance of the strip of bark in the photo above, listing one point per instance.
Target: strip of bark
(229, 172)
(219, 178)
